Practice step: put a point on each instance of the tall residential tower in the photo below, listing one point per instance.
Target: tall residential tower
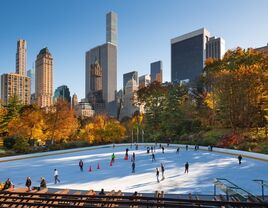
(21, 57)
(44, 78)
(157, 71)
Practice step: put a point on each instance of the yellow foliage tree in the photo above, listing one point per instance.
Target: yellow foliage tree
(61, 122)
(29, 124)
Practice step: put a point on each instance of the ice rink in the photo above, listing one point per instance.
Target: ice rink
(204, 168)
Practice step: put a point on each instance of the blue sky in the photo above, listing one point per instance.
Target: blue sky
(71, 27)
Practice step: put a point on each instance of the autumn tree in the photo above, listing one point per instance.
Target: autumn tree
(61, 122)
(237, 86)
(30, 124)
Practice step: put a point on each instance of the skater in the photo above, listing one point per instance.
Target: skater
(137, 147)
(81, 164)
(163, 150)
(239, 159)
(152, 149)
(160, 145)
(157, 175)
(113, 158)
(178, 150)
(126, 152)
(133, 167)
(133, 157)
(148, 150)
(8, 184)
(153, 157)
(186, 147)
(162, 171)
(56, 176)
(195, 147)
(43, 183)
(28, 183)
(186, 167)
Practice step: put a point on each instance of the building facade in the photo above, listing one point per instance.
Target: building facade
(215, 48)
(144, 80)
(128, 77)
(21, 57)
(31, 74)
(74, 101)
(63, 93)
(101, 71)
(111, 28)
(157, 71)
(84, 110)
(44, 78)
(189, 52)
(263, 50)
(13, 84)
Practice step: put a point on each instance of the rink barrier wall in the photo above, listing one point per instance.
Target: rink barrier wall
(252, 155)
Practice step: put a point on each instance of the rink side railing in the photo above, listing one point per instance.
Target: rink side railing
(78, 199)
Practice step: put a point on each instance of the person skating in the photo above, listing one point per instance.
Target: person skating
(133, 167)
(43, 183)
(163, 149)
(152, 149)
(127, 152)
(153, 157)
(186, 167)
(178, 150)
(239, 159)
(8, 184)
(186, 147)
(81, 164)
(157, 175)
(148, 150)
(133, 157)
(113, 158)
(56, 176)
(28, 183)
(162, 171)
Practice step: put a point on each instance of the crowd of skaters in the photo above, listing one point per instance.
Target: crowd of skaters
(43, 184)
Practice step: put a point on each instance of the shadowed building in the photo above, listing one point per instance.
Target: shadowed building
(189, 52)
(44, 78)
(101, 71)
(157, 71)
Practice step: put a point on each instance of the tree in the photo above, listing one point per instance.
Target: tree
(237, 86)
(10, 111)
(61, 122)
(30, 124)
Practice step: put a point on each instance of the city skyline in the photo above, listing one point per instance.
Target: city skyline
(68, 36)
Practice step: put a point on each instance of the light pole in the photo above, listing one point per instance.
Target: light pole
(137, 134)
(142, 134)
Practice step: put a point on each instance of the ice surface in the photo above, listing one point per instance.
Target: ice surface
(204, 168)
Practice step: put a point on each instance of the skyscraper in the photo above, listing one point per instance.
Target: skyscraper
(111, 28)
(44, 78)
(157, 71)
(101, 71)
(128, 77)
(21, 57)
(63, 93)
(189, 52)
(31, 74)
